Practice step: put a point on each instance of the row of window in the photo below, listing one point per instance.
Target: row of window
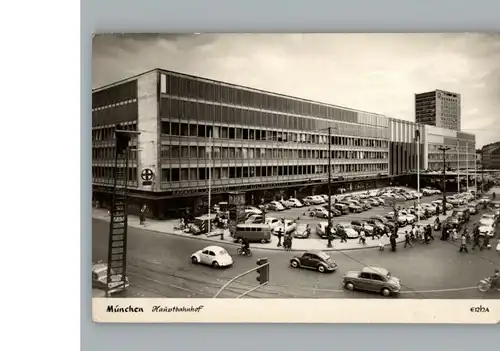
(211, 91)
(171, 108)
(108, 133)
(116, 114)
(216, 173)
(113, 95)
(105, 174)
(202, 131)
(108, 153)
(200, 152)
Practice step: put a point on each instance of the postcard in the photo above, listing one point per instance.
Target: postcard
(296, 178)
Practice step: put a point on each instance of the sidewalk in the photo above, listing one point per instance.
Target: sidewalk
(167, 227)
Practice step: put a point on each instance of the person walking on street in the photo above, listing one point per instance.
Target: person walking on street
(467, 235)
(393, 242)
(486, 243)
(407, 239)
(279, 235)
(476, 241)
(362, 236)
(429, 228)
(142, 216)
(443, 233)
(414, 233)
(463, 245)
(454, 235)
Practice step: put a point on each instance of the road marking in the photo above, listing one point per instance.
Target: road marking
(404, 292)
(166, 284)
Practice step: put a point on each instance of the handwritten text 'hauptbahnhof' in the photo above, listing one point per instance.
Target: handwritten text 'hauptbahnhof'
(158, 308)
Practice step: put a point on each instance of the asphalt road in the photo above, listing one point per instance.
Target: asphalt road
(159, 266)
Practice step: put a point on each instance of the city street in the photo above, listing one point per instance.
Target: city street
(159, 265)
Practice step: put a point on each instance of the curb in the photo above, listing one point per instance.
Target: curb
(200, 238)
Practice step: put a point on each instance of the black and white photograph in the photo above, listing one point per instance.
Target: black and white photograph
(296, 166)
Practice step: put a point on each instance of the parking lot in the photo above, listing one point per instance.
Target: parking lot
(302, 217)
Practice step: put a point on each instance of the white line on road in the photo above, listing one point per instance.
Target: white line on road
(408, 292)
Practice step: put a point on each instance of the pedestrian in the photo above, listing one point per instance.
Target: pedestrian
(486, 243)
(362, 236)
(431, 236)
(290, 241)
(476, 241)
(414, 233)
(279, 234)
(463, 245)
(343, 235)
(393, 242)
(407, 239)
(467, 235)
(381, 244)
(454, 235)
(443, 232)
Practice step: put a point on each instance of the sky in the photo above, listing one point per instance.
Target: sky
(378, 73)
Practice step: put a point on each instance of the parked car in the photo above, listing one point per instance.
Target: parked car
(321, 230)
(214, 256)
(333, 210)
(343, 208)
(346, 228)
(272, 222)
(431, 208)
(252, 210)
(380, 200)
(374, 202)
(353, 207)
(400, 220)
(473, 207)
(317, 260)
(372, 279)
(454, 222)
(275, 206)
(311, 200)
(485, 200)
(487, 230)
(357, 226)
(366, 204)
(490, 216)
(100, 276)
(289, 227)
(319, 212)
(377, 224)
(303, 231)
(409, 217)
(296, 202)
(287, 204)
(254, 219)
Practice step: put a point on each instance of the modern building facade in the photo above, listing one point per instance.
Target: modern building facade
(438, 108)
(461, 153)
(490, 156)
(197, 133)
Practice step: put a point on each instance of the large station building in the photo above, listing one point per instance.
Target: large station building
(265, 144)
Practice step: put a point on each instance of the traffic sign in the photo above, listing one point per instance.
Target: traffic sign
(147, 174)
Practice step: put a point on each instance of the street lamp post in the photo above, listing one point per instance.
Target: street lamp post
(444, 149)
(329, 187)
(417, 138)
(458, 167)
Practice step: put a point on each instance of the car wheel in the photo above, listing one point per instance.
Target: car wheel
(385, 292)
(194, 260)
(349, 286)
(215, 264)
(263, 241)
(295, 264)
(321, 268)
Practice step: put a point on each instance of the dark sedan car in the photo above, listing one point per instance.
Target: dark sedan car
(316, 260)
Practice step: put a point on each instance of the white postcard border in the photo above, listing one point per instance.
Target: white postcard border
(153, 310)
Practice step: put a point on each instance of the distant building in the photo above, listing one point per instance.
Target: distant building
(490, 156)
(461, 153)
(438, 108)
